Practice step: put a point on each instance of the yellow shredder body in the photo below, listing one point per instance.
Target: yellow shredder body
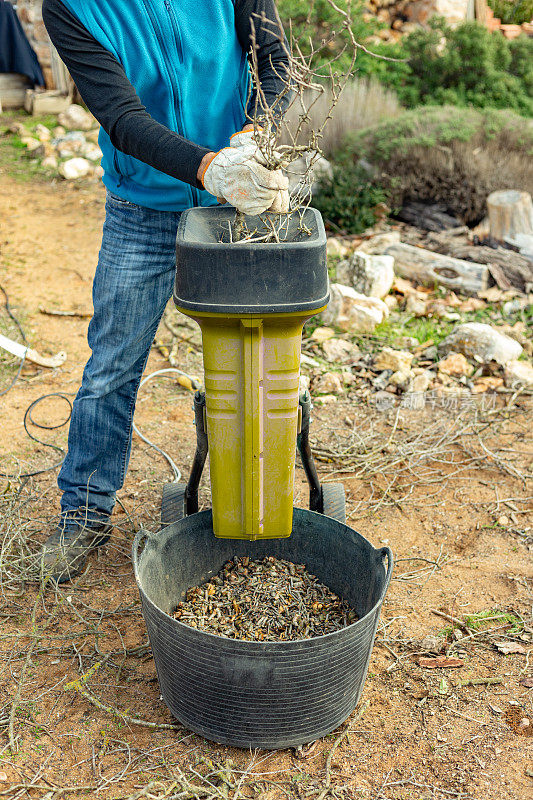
(251, 302)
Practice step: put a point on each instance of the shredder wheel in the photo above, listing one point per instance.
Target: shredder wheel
(334, 501)
(173, 503)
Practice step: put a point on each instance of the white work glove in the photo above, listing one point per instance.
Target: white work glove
(242, 138)
(246, 138)
(236, 176)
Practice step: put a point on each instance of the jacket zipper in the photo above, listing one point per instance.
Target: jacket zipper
(179, 50)
(172, 77)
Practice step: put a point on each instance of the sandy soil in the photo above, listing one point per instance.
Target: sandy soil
(426, 733)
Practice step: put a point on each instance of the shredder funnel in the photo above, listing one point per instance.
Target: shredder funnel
(251, 301)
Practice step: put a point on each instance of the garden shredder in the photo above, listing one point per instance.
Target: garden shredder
(251, 300)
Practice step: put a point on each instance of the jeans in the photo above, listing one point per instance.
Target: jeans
(132, 286)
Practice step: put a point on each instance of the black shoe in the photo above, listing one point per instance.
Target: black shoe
(65, 552)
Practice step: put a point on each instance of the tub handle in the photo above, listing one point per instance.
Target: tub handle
(381, 554)
(141, 534)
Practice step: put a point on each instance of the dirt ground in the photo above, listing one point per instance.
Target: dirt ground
(449, 732)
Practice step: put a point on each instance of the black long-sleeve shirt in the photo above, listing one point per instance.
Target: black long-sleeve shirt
(109, 95)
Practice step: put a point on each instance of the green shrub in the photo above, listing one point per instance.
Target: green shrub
(465, 66)
(455, 156)
(521, 65)
(349, 199)
(512, 13)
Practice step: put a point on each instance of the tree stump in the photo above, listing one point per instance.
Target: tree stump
(510, 214)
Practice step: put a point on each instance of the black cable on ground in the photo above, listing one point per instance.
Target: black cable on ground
(28, 418)
(11, 315)
(28, 413)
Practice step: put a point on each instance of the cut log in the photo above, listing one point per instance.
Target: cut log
(427, 268)
(506, 267)
(510, 213)
(429, 217)
(39, 103)
(13, 89)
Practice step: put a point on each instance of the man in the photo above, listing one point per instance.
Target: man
(169, 82)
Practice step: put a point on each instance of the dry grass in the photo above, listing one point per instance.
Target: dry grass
(101, 696)
(449, 155)
(400, 456)
(363, 102)
(461, 175)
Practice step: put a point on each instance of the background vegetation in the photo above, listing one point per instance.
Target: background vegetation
(464, 66)
(511, 12)
(448, 121)
(447, 155)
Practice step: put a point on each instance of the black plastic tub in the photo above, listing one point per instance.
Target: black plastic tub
(260, 694)
(216, 275)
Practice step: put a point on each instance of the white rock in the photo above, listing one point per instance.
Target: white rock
(379, 243)
(348, 378)
(519, 374)
(325, 400)
(416, 304)
(50, 162)
(369, 274)
(432, 644)
(98, 171)
(420, 383)
(68, 150)
(454, 11)
(92, 136)
(307, 361)
(335, 247)
(92, 152)
(482, 342)
(303, 385)
(30, 143)
(72, 136)
(42, 133)
(336, 301)
(397, 360)
(321, 334)
(351, 311)
(329, 383)
(401, 378)
(76, 118)
(512, 306)
(360, 319)
(338, 350)
(74, 168)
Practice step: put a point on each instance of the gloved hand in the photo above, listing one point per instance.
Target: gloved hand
(235, 175)
(243, 138)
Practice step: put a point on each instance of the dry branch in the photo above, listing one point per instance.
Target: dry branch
(80, 685)
(305, 83)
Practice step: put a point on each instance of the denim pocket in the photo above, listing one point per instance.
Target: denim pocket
(115, 200)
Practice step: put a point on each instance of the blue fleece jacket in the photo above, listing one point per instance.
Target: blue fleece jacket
(184, 59)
